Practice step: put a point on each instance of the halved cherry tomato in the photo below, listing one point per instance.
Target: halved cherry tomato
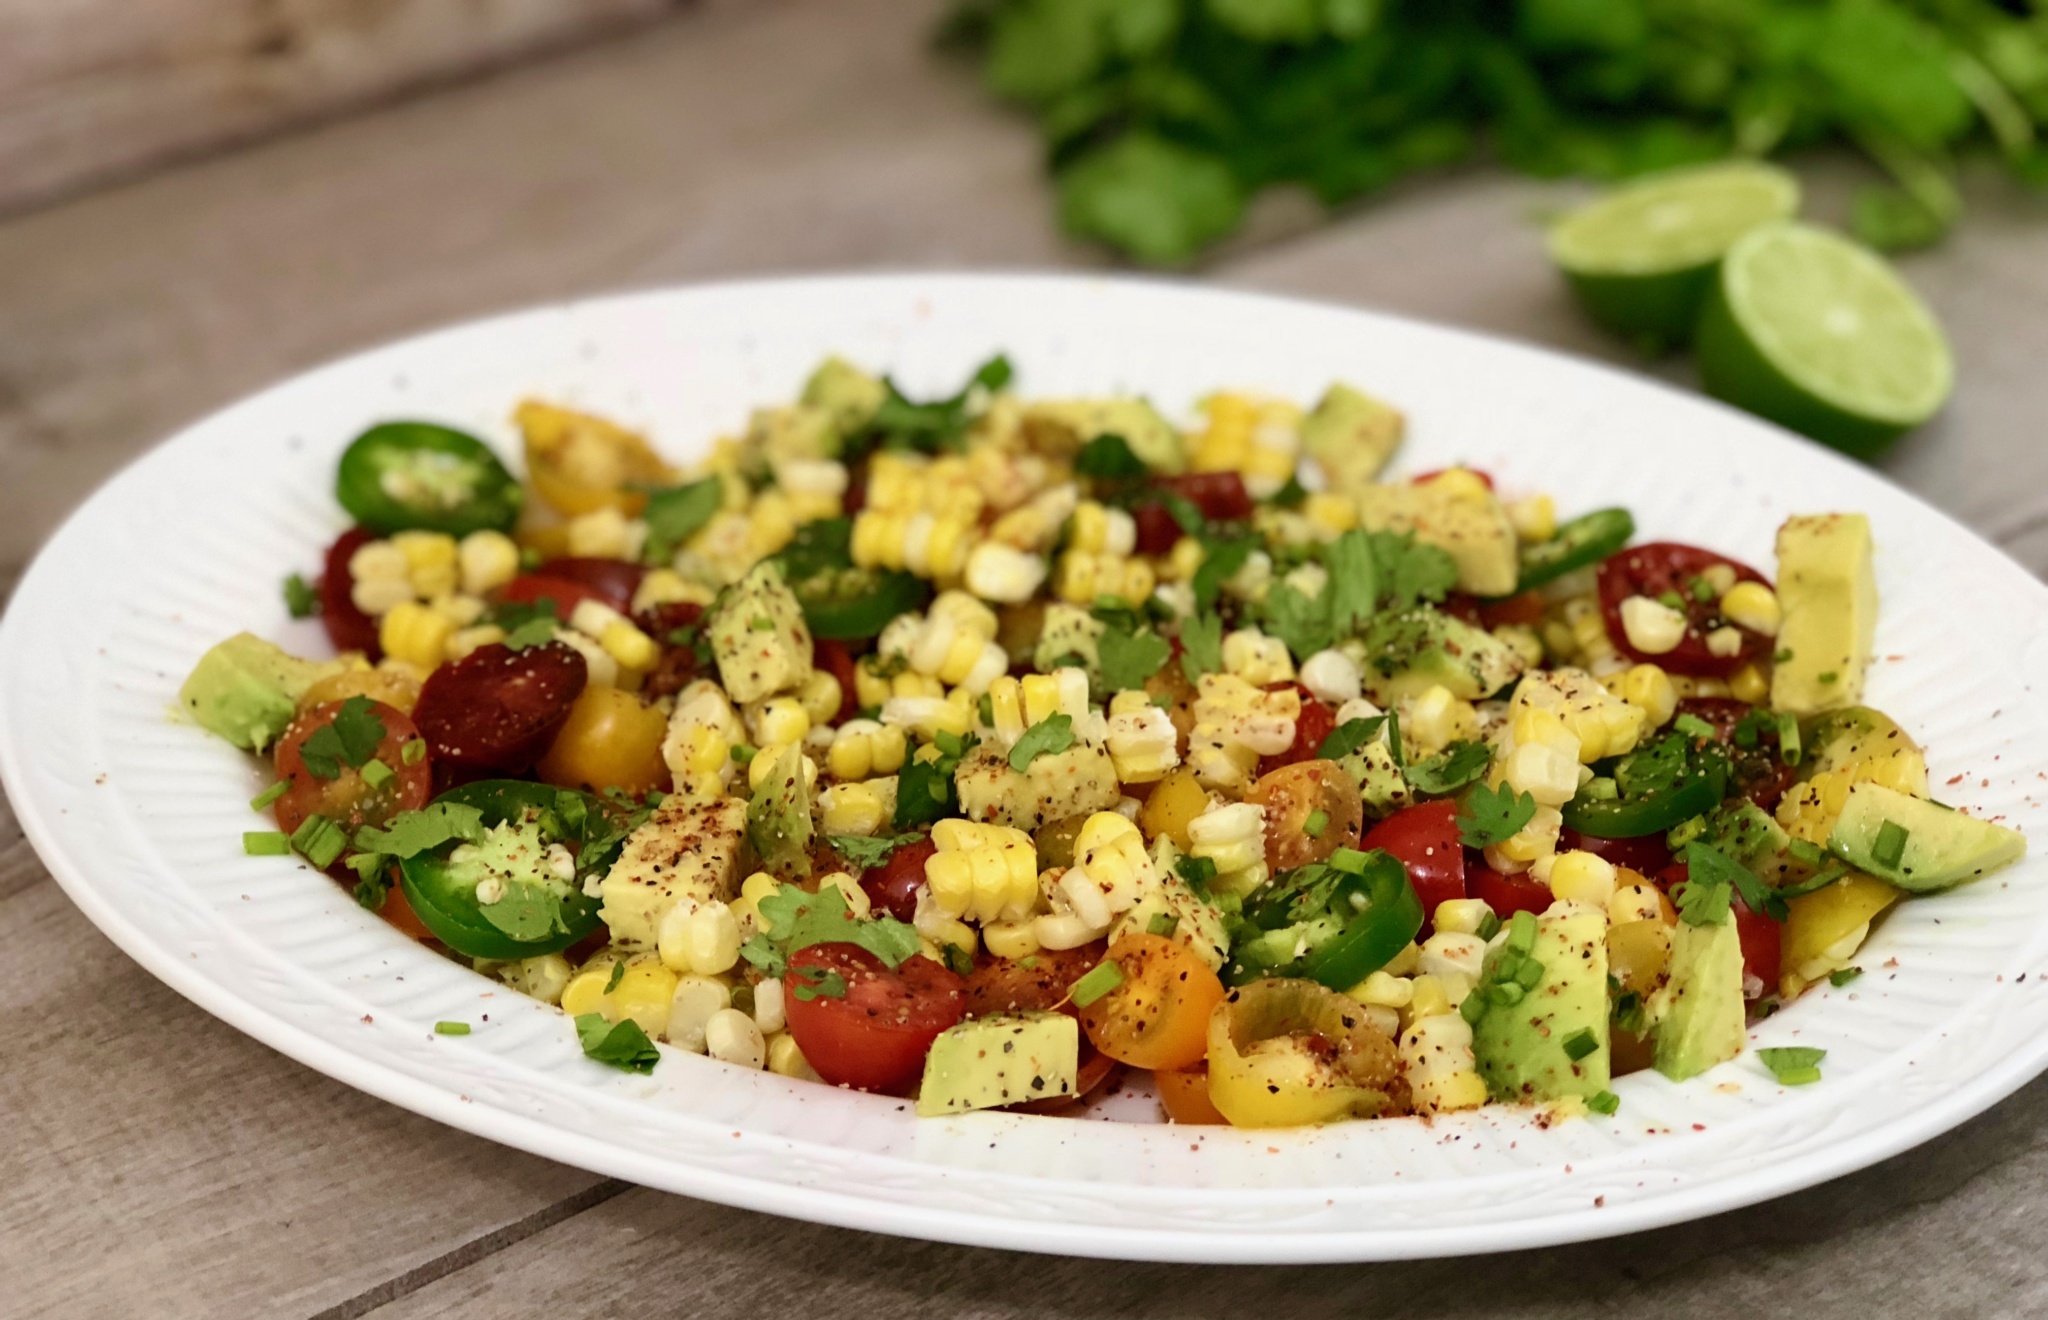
(832, 656)
(1157, 530)
(1758, 772)
(998, 985)
(1158, 1015)
(1647, 853)
(1666, 568)
(893, 885)
(1525, 610)
(398, 911)
(1220, 496)
(1508, 894)
(1312, 809)
(679, 663)
(496, 709)
(612, 739)
(347, 627)
(348, 799)
(1184, 1095)
(570, 581)
(1310, 728)
(875, 1036)
(1424, 838)
(1762, 939)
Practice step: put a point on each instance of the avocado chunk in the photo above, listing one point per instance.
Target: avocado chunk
(848, 395)
(246, 690)
(1382, 787)
(795, 432)
(1068, 634)
(1062, 426)
(779, 817)
(1406, 654)
(1918, 845)
(759, 637)
(1351, 435)
(1473, 529)
(1827, 590)
(1739, 828)
(1524, 1049)
(1001, 1059)
(1698, 1012)
(1864, 744)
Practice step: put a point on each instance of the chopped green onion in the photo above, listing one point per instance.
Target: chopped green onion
(1793, 1065)
(1472, 1009)
(1579, 1044)
(270, 795)
(1318, 821)
(1671, 600)
(1103, 978)
(1529, 975)
(1522, 932)
(1844, 976)
(1891, 844)
(451, 1028)
(377, 774)
(319, 840)
(1806, 854)
(266, 843)
(1789, 749)
(1830, 676)
(301, 598)
(1489, 926)
(413, 752)
(1162, 923)
(1606, 1102)
(1693, 726)
(741, 753)
(1350, 861)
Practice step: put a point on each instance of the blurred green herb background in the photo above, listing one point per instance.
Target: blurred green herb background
(1164, 117)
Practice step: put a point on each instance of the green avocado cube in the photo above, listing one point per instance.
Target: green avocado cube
(1001, 1059)
(246, 689)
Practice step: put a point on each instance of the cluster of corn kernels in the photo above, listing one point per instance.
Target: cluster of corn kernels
(1035, 524)
(1256, 658)
(987, 874)
(863, 807)
(953, 642)
(920, 515)
(1260, 439)
(1415, 999)
(1015, 704)
(1332, 677)
(1111, 874)
(1323, 516)
(702, 731)
(1143, 743)
(1236, 724)
(1809, 810)
(1232, 836)
(1605, 722)
(1535, 754)
(1435, 718)
(1085, 576)
(426, 591)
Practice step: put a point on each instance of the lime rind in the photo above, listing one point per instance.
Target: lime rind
(1672, 222)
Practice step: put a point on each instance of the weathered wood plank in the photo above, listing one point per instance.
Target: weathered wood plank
(95, 88)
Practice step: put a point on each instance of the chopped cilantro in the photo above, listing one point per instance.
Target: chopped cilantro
(1221, 561)
(1109, 457)
(1348, 737)
(1127, 658)
(526, 912)
(370, 891)
(808, 983)
(1293, 494)
(451, 1028)
(1844, 976)
(611, 982)
(266, 843)
(925, 791)
(350, 738)
(1201, 641)
(534, 632)
(676, 513)
(410, 833)
(866, 852)
(1707, 864)
(1793, 1065)
(301, 598)
(792, 919)
(622, 1044)
(1104, 977)
(1493, 815)
(1456, 766)
(1050, 736)
(1199, 872)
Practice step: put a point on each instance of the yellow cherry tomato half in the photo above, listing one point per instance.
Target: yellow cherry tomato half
(612, 739)
(580, 464)
(1284, 1052)
(1158, 1015)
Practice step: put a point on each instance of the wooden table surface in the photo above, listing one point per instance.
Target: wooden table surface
(157, 1163)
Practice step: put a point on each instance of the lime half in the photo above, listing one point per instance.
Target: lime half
(1642, 258)
(1821, 335)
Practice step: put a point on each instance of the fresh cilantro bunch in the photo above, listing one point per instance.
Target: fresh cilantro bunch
(795, 920)
(1164, 117)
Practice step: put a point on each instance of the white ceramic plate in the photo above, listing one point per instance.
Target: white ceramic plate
(140, 817)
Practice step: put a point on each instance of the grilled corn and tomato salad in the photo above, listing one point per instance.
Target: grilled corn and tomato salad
(979, 750)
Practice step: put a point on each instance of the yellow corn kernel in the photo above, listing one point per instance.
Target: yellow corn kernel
(1582, 877)
(820, 696)
(777, 721)
(1331, 514)
(642, 994)
(1721, 577)
(1386, 990)
(1754, 606)
(379, 561)
(1006, 708)
(763, 765)
(1233, 836)
(487, 560)
(1256, 658)
(1062, 692)
(1143, 744)
(1462, 916)
(416, 634)
(1462, 484)
(1749, 684)
(430, 560)
(1015, 940)
(934, 924)
(1182, 561)
(771, 522)
(853, 809)
(665, 586)
(1649, 689)
(464, 640)
(699, 937)
(605, 534)
(1451, 1092)
(982, 872)
(1082, 576)
(1534, 519)
(704, 751)
(1097, 529)
(786, 1059)
(1427, 997)
(1437, 718)
(631, 648)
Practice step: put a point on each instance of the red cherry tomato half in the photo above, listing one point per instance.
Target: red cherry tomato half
(1462, 606)
(998, 985)
(1157, 530)
(1509, 894)
(1760, 774)
(832, 656)
(893, 885)
(876, 1035)
(1425, 839)
(1646, 855)
(1760, 937)
(1315, 723)
(613, 580)
(1525, 610)
(347, 799)
(347, 627)
(1220, 496)
(1669, 568)
(678, 664)
(496, 710)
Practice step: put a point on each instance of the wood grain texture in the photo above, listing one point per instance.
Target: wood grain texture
(94, 88)
(159, 1163)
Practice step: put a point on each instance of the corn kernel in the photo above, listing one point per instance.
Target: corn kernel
(777, 721)
(1749, 684)
(786, 1058)
(1754, 606)
(1464, 916)
(1428, 997)
(1330, 513)
(853, 809)
(486, 560)
(629, 647)
(821, 696)
(1653, 627)
(1332, 677)
(1014, 940)
(1720, 577)
(1384, 989)
(1649, 689)
(1582, 877)
(415, 634)
(379, 561)
(464, 640)
(430, 559)
(1256, 658)
(699, 937)
(606, 534)
(1100, 530)
(1534, 518)
(731, 1036)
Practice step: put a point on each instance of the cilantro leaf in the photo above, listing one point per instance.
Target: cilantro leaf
(1489, 816)
(676, 513)
(1156, 199)
(1198, 872)
(1109, 457)
(1300, 621)
(1049, 737)
(526, 912)
(622, 1044)
(514, 614)
(808, 983)
(865, 852)
(1456, 766)
(534, 632)
(794, 920)
(1348, 737)
(1221, 561)
(1704, 899)
(1354, 587)
(350, 738)
(1127, 659)
(1201, 642)
(1407, 572)
(1706, 864)
(925, 792)
(929, 427)
(1793, 1065)
(301, 598)
(410, 833)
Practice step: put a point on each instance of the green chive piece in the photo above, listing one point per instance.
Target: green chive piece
(741, 753)
(1103, 978)
(319, 840)
(1693, 726)
(376, 774)
(1789, 749)
(618, 974)
(1579, 1044)
(266, 843)
(451, 1028)
(1891, 843)
(1606, 1102)
(1318, 821)
(414, 752)
(1162, 923)
(1843, 977)
(270, 795)
(1472, 1009)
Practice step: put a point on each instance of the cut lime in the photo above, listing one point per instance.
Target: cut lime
(1642, 258)
(1821, 335)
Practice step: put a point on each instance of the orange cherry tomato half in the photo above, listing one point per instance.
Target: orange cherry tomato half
(1184, 1095)
(612, 739)
(347, 798)
(1158, 1016)
(1312, 809)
